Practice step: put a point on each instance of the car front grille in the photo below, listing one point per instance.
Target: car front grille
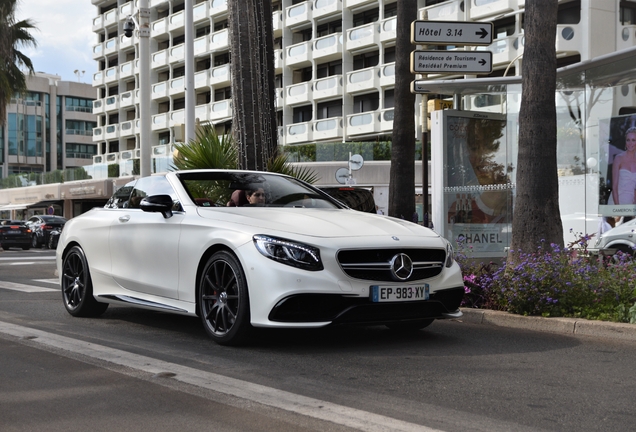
(375, 264)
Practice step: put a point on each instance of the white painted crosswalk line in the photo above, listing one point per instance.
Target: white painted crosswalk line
(24, 288)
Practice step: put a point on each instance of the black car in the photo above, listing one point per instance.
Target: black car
(41, 226)
(15, 233)
(356, 198)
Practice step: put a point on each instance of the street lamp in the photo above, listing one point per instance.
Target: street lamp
(79, 74)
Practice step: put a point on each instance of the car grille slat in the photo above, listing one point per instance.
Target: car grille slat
(374, 264)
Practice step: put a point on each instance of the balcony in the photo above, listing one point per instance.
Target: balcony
(627, 37)
(98, 51)
(363, 80)
(446, 11)
(328, 88)
(159, 59)
(353, 4)
(201, 79)
(127, 99)
(98, 23)
(221, 110)
(326, 8)
(110, 46)
(177, 118)
(128, 42)
(128, 69)
(202, 112)
(159, 27)
(327, 129)
(387, 75)
(98, 78)
(298, 94)
(127, 129)
(298, 15)
(200, 12)
(110, 18)
(328, 48)
(112, 132)
(177, 54)
(220, 75)
(125, 10)
(488, 8)
(218, 7)
(363, 37)
(569, 39)
(387, 29)
(200, 45)
(112, 103)
(219, 40)
(505, 50)
(299, 55)
(159, 121)
(159, 91)
(98, 134)
(98, 106)
(277, 23)
(175, 21)
(386, 120)
(278, 60)
(280, 98)
(362, 123)
(177, 86)
(110, 75)
(298, 132)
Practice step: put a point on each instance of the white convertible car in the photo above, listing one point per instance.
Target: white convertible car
(245, 249)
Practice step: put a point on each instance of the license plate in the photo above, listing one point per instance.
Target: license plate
(380, 294)
(14, 232)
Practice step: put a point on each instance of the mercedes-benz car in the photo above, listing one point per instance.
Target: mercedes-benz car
(244, 249)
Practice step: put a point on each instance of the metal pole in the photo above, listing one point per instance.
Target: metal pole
(189, 73)
(144, 87)
(424, 127)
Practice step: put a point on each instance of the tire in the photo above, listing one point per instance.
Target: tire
(410, 325)
(223, 300)
(77, 286)
(34, 242)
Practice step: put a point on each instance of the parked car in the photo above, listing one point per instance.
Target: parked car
(41, 226)
(622, 238)
(356, 198)
(54, 237)
(289, 256)
(15, 233)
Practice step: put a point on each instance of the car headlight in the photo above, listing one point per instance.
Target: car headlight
(450, 255)
(288, 252)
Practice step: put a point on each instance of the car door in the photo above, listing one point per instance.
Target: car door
(144, 246)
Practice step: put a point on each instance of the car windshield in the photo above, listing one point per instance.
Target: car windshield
(240, 189)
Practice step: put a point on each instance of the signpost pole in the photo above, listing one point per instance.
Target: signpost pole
(424, 140)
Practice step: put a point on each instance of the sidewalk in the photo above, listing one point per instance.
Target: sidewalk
(572, 326)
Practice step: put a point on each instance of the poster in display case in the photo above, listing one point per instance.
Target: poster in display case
(473, 180)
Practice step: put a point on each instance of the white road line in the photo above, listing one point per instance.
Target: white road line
(54, 281)
(23, 263)
(30, 258)
(24, 288)
(322, 410)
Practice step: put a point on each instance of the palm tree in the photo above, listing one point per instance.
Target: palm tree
(211, 151)
(13, 35)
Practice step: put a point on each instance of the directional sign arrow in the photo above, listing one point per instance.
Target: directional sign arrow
(482, 62)
(451, 33)
(457, 62)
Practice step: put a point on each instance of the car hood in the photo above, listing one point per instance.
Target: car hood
(318, 222)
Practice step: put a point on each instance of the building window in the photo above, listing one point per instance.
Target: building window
(302, 114)
(365, 103)
(78, 104)
(80, 151)
(329, 109)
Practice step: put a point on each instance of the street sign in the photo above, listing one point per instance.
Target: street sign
(462, 62)
(451, 33)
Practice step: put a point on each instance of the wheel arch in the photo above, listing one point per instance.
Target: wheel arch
(202, 262)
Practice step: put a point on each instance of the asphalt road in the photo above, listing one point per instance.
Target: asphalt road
(141, 370)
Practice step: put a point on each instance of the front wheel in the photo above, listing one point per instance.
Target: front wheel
(223, 300)
(77, 286)
(410, 325)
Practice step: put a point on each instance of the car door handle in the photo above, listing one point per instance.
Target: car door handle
(124, 218)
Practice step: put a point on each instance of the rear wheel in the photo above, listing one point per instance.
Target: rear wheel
(34, 241)
(223, 300)
(77, 286)
(410, 325)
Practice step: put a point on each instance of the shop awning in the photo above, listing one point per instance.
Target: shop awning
(15, 207)
(46, 203)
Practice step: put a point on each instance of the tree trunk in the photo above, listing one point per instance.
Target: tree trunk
(402, 174)
(252, 64)
(536, 218)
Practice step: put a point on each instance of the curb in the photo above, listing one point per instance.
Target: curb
(569, 326)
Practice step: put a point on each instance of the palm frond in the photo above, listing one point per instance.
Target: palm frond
(279, 164)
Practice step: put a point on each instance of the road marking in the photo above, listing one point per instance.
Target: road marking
(54, 281)
(23, 263)
(310, 407)
(31, 258)
(24, 288)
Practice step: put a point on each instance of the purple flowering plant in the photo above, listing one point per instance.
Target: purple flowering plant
(553, 282)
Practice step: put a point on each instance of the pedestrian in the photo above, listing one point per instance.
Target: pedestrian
(416, 217)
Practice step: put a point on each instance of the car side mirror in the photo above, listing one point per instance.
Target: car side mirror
(158, 204)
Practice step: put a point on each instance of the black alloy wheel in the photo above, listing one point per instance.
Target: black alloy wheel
(77, 286)
(223, 300)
